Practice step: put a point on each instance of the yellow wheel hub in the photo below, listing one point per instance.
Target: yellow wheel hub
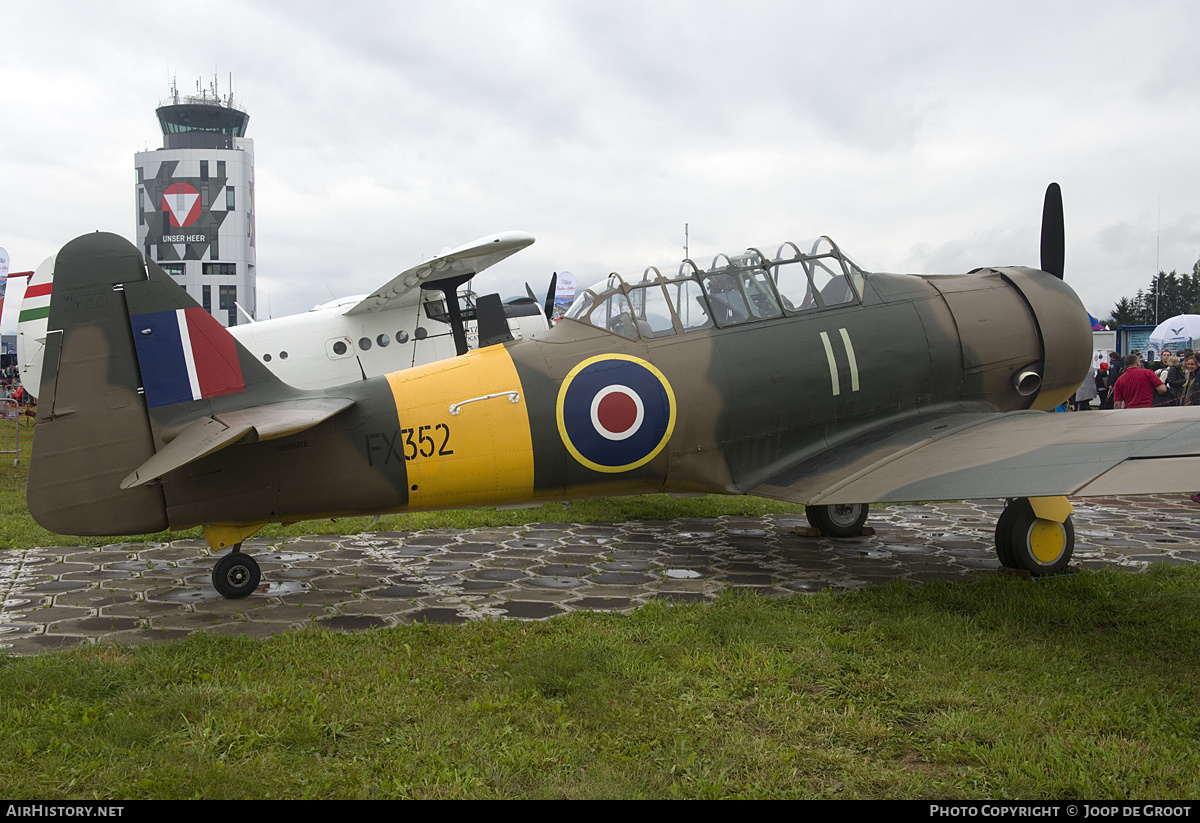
(1047, 541)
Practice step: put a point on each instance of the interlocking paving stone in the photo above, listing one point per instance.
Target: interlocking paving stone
(134, 593)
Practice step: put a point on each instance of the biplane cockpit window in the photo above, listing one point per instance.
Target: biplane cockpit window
(436, 309)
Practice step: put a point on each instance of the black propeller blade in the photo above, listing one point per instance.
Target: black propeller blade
(550, 293)
(1054, 241)
(548, 306)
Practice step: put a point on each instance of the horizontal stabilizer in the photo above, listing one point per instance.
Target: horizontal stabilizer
(206, 435)
(282, 419)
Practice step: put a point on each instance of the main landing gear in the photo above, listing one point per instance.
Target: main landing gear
(1033, 534)
(839, 520)
(236, 575)
(1036, 535)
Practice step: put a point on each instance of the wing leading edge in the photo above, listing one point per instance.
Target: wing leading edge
(1017, 454)
(470, 258)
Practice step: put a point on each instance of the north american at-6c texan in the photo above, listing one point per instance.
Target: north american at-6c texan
(784, 371)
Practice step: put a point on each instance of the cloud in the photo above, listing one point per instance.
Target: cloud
(917, 135)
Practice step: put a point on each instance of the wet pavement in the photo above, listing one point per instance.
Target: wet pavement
(136, 593)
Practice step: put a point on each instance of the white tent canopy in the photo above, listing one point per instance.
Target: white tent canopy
(1177, 332)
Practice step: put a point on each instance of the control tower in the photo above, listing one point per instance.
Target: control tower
(195, 200)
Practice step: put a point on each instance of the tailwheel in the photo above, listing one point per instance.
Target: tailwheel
(839, 520)
(1035, 544)
(236, 575)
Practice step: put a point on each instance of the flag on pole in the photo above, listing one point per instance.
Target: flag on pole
(3, 276)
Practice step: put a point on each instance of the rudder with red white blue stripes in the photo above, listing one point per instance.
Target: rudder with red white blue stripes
(184, 355)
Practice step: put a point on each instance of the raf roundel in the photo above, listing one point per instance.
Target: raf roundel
(615, 412)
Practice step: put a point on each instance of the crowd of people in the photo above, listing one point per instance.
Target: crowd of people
(1134, 382)
(10, 385)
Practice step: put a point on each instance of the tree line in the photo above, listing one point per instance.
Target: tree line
(1170, 293)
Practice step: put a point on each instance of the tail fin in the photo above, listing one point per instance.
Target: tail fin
(130, 362)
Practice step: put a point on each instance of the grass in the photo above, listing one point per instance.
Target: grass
(1083, 686)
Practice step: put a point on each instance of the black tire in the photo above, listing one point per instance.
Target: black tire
(840, 520)
(1004, 532)
(1040, 547)
(236, 575)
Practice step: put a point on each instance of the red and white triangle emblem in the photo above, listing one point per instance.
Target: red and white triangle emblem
(182, 202)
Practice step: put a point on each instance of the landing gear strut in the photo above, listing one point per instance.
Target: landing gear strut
(236, 575)
(1036, 535)
(840, 520)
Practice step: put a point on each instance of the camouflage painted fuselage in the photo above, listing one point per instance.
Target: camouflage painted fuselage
(578, 412)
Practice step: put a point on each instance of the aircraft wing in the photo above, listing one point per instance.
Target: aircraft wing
(1016, 454)
(471, 258)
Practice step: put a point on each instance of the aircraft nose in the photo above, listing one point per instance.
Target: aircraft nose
(1064, 330)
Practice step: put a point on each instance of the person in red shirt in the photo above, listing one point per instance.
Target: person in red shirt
(1136, 386)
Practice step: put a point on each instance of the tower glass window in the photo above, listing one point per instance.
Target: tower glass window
(228, 296)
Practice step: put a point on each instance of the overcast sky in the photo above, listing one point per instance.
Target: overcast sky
(920, 136)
